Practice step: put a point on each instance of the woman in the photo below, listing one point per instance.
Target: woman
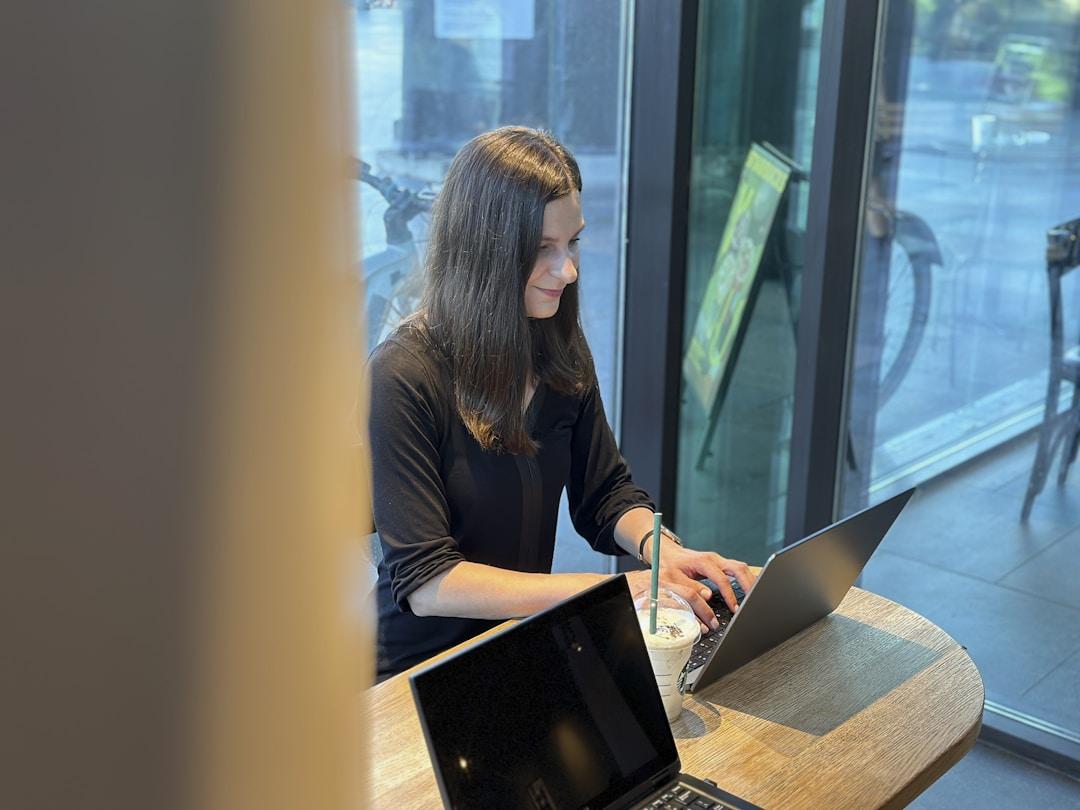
(485, 405)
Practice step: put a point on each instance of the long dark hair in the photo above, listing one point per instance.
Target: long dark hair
(485, 236)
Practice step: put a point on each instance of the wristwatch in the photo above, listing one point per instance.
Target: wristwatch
(665, 532)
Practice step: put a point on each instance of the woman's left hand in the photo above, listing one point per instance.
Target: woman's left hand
(681, 570)
(687, 566)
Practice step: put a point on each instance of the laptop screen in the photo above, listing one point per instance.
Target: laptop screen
(561, 710)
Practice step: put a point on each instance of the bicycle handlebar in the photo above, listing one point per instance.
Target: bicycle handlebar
(402, 205)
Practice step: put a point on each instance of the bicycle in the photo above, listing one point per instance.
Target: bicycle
(393, 278)
(914, 252)
(394, 281)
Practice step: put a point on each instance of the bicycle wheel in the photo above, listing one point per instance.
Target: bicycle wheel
(403, 302)
(907, 311)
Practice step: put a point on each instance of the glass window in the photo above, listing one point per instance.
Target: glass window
(755, 95)
(974, 159)
(431, 74)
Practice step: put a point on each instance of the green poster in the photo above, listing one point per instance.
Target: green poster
(749, 221)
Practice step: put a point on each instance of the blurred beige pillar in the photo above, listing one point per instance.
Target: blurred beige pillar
(179, 374)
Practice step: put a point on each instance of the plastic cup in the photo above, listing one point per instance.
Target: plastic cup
(677, 630)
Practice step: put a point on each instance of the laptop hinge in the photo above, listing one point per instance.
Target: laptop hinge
(693, 677)
(648, 787)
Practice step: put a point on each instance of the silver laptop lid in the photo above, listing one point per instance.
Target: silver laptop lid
(799, 585)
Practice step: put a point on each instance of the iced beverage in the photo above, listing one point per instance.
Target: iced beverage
(677, 630)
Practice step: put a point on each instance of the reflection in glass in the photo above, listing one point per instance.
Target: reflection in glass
(755, 89)
(975, 155)
(974, 141)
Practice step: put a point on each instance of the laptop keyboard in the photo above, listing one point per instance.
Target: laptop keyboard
(703, 649)
(681, 797)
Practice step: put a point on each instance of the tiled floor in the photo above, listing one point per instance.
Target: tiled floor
(1007, 591)
(990, 777)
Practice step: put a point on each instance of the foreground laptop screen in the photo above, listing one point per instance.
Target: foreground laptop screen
(560, 711)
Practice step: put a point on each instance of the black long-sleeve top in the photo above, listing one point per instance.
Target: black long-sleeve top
(439, 498)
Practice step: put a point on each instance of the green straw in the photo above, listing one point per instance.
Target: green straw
(654, 589)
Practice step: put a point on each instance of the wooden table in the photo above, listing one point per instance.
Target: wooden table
(866, 708)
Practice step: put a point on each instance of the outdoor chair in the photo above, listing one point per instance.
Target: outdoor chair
(1058, 430)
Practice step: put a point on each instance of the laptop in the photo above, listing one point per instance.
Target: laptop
(798, 585)
(558, 711)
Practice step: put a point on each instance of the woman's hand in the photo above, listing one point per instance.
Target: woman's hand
(682, 568)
